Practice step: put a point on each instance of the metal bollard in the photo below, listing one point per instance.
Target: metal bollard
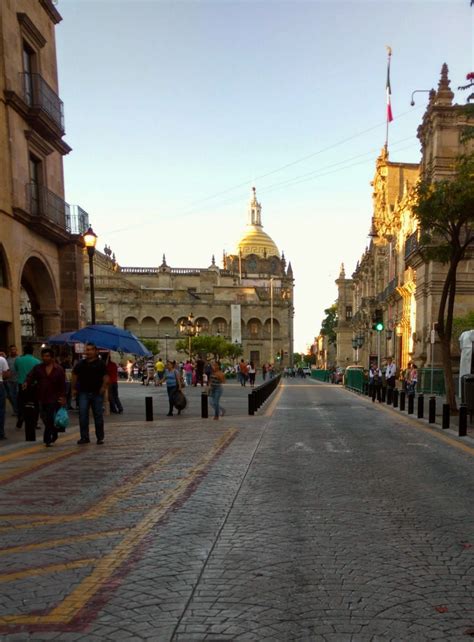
(462, 420)
(411, 404)
(432, 410)
(421, 407)
(446, 416)
(402, 400)
(204, 405)
(395, 398)
(149, 408)
(251, 404)
(389, 396)
(384, 393)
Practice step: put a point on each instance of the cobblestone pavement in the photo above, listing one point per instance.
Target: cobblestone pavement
(323, 519)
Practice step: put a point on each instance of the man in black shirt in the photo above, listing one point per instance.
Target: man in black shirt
(89, 383)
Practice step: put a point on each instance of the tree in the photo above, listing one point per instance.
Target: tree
(152, 345)
(329, 324)
(445, 213)
(211, 346)
(462, 324)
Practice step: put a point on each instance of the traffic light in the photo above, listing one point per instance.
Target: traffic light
(378, 324)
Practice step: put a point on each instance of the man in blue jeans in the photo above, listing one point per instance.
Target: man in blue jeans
(89, 383)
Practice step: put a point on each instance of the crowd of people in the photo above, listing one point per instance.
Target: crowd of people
(386, 377)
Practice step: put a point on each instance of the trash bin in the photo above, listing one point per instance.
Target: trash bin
(467, 392)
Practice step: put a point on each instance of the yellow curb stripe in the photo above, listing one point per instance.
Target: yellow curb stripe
(102, 505)
(39, 463)
(45, 570)
(271, 406)
(63, 541)
(107, 566)
(433, 432)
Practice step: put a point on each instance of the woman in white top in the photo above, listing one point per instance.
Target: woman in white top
(252, 372)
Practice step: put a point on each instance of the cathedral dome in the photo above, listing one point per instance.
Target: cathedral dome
(255, 240)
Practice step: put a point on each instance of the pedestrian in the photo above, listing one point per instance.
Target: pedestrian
(89, 384)
(199, 372)
(150, 371)
(375, 382)
(406, 377)
(160, 371)
(207, 372)
(4, 374)
(252, 373)
(243, 372)
(67, 367)
(390, 372)
(11, 385)
(412, 379)
(50, 391)
(173, 384)
(264, 372)
(215, 382)
(188, 372)
(23, 366)
(114, 400)
(129, 370)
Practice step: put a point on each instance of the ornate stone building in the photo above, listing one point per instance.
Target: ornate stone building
(237, 301)
(392, 281)
(41, 275)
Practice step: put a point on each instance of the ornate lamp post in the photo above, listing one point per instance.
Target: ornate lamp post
(190, 328)
(357, 343)
(90, 241)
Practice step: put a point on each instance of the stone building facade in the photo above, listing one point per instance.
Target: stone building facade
(392, 280)
(41, 273)
(237, 301)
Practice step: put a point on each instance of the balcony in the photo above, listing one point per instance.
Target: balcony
(42, 100)
(46, 208)
(77, 221)
(411, 245)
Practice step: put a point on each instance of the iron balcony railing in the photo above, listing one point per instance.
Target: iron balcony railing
(411, 244)
(39, 95)
(44, 203)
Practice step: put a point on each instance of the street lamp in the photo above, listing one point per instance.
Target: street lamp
(90, 241)
(167, 336)
(271, 320)
(190, 328)
(357, 343)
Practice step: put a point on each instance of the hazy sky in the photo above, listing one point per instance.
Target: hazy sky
(175, 109)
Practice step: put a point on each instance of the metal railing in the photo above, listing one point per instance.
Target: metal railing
(77, 221)
(39, 95)
(44, 203)
(411, 244)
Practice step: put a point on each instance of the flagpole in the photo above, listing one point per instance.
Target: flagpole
(388, 93)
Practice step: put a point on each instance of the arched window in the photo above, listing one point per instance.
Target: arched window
(3, 270)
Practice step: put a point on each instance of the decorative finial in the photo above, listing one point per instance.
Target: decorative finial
(164, 260)
(213, 262)
(373, 230)
(444, 95)
(342, 272)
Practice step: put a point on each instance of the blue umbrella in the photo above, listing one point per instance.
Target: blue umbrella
(109, 337)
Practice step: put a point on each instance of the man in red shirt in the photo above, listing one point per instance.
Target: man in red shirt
(50, 381)
(112, 372)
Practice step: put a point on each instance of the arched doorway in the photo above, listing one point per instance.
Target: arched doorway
(149, 328)
(131, 324)
(40, 316)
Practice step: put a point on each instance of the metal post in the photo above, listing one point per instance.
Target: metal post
(446, 415)
(389, 396)
(271, 320)
(395, 398)
(251, 404)
(421, 407)
(411, 403)
(90, 252)
(432, 410)
(204, 406)
(384, 393)
(378, 349)
(432, 365)
(402, 400)
(149, 408)
(462, 432)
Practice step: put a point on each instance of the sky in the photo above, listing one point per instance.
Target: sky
(174, 110)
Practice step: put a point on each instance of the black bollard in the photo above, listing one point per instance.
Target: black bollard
(149, 408)
(402, 400)
(389, 396)
(421, 407)
(395, 398)
(462, 420)
(411, 404)
(204, 406)
(432, 410)
(251, 404)
(384, 393)
(446, 410)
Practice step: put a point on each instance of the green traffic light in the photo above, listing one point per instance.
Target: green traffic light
(379, 326)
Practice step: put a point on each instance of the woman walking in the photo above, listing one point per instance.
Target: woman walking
(252, 372)
(215, 382)
(173, 384)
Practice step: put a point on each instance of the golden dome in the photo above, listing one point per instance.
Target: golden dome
(256, 241)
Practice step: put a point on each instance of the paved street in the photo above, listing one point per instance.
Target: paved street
(324, 517)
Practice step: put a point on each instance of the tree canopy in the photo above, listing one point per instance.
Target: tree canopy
(329, 324)
(211, 347)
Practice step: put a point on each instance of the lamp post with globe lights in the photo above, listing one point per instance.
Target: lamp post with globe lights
(90, 241)
(190, 328)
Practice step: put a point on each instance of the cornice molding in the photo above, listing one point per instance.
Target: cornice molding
(37, 141)
(30, 30)
(51, 10)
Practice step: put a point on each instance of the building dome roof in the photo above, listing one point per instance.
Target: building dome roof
(255, 240)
